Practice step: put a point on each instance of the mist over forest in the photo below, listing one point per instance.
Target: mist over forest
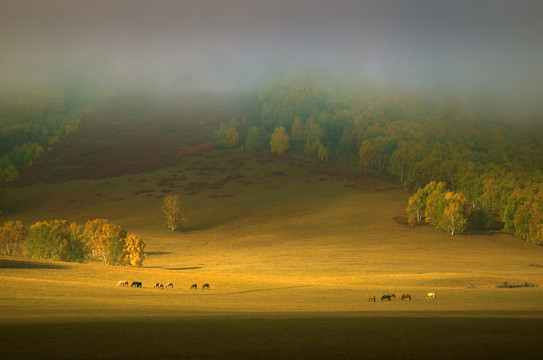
(474, 50)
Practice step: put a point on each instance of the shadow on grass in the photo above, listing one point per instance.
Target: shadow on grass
(186, 268)
(22, 264)
(265, 289)
(158, 253)
(169, 268)
(199, 227)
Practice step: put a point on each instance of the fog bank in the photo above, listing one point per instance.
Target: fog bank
(464, 47)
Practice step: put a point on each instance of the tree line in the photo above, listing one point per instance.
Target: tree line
(489, 160)
(61, 240)
(33, 120)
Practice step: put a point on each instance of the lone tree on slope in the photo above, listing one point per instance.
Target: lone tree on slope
(173, 212)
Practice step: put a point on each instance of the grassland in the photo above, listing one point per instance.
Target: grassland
(292, 255)
(292, 252)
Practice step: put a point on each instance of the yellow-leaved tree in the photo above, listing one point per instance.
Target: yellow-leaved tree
(113, 244)
(134, 247)
(92, 233)
(456, 213)
(280, 141)
(12, 235)
(173, 212)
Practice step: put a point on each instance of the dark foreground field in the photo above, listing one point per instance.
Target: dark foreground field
(283, 336)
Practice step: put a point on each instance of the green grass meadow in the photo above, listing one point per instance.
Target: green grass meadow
(292, 253)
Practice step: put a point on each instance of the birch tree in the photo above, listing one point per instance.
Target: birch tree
(455, 214)
(12, 235)
(173, 212)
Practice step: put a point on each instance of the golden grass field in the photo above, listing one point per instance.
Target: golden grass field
(291, 252)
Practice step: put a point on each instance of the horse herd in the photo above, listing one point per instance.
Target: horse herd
(386, 297)
(138, 284)
(389, 297)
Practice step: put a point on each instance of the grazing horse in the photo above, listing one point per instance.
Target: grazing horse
(392, 296)
(205, 286)
(136, 284)
(385, 297)
(406, 296)
(372, 298)
(122, 283)
(169, 285)
(431, 295)
(159, 286)
(194, 286)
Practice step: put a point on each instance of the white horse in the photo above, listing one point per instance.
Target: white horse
(431, 295)
(122, 283)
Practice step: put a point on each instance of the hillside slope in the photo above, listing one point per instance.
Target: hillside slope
(129, 134)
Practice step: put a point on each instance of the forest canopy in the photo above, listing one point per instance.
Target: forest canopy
(488, 160)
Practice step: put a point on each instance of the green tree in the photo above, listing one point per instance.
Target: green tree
(24, 154)
(280, 141)
(297, 130)
(253, 142)
(8, 172)
(375, 153)
(425, 171)
(529, 222)
(56, 240)
(449, 171)
(403, 159)
(312, 148)
(313, 131)
(514, 201)
(226, 137)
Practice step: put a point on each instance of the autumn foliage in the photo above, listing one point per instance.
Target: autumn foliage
(436, 205)
(491, 163)
(12, 236)
(61, 240)
(112, 244)
(280, 141)
(173, 212)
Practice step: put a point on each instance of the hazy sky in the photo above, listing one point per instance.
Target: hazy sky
(460, 45)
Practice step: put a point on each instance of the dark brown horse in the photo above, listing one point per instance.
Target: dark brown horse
(194, 286)
(385, 297)
(406, 296)
(205, 286)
